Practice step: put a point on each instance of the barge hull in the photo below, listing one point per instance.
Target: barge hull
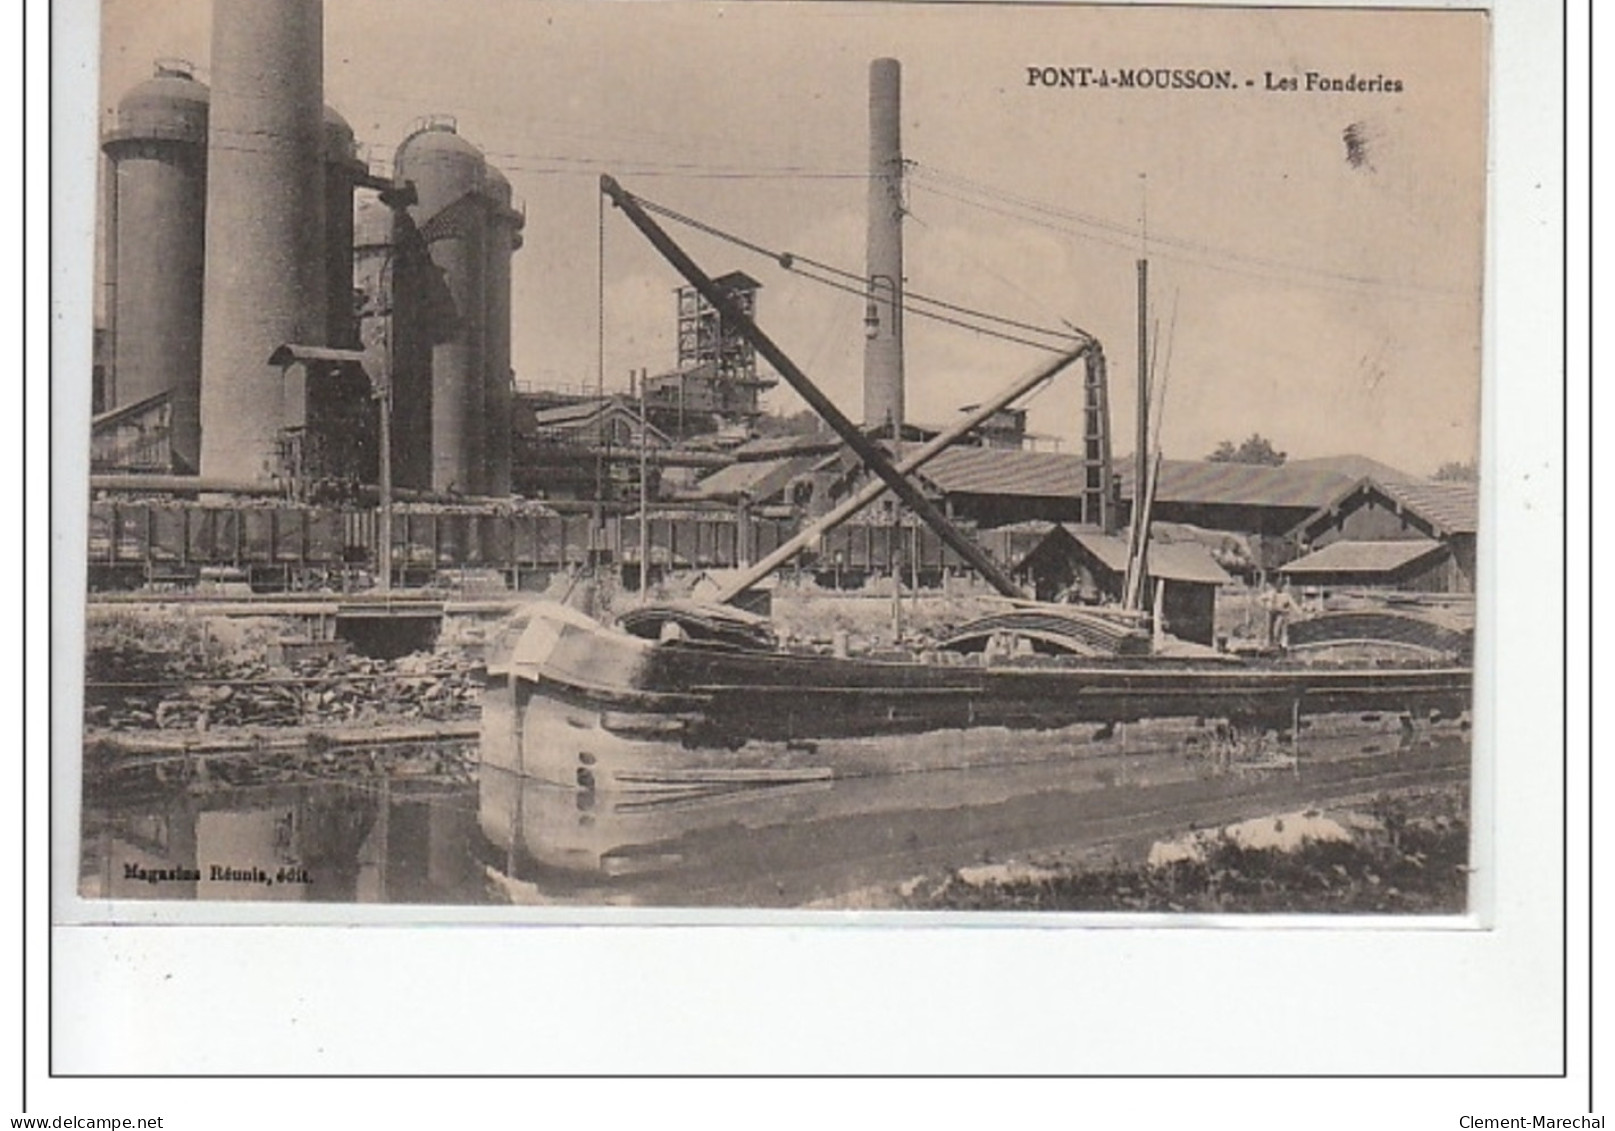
(580, 705)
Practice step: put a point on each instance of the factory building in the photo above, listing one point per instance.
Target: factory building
(1240, 497)
(218, 254)
(587, 450)
(157, 208)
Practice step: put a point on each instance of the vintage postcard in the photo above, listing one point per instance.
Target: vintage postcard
(815, 456)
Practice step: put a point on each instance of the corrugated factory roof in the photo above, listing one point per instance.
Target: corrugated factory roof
(565, 413)
(1172, 561)
(114, 416)
(1060, 475)
(1452, 508)
(1362, 557)
(768, 447)
(1239, 484)
(967, 470)
(737, 477)
(1109, 549)
(1004, 471)
(1355, 467)
(760, 479)
(1008, 471)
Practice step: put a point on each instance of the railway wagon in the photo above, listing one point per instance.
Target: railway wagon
(174, 545)
(277, 547)
(280, 547)
(850, 554)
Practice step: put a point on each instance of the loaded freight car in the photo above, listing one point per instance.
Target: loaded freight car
(175, 544)
(851, 554)
(280, 547)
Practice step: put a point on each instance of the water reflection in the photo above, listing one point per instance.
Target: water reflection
(510, 838)
(322, 842)
(790, 844)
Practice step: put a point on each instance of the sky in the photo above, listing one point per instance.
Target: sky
(1316, 257)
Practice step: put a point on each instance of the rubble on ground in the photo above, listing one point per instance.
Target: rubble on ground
(129, 688)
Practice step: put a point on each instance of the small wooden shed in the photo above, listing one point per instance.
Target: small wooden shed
(1417, 564)
(1392, 535)
(1087, 566)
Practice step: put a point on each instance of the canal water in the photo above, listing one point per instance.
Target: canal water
(504, 839)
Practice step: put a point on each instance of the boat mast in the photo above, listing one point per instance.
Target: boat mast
(1138, 534)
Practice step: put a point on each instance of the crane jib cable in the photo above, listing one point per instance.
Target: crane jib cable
(935, 317)
(913, 302)
(792, 262)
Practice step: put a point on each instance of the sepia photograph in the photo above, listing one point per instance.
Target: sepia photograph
(912, 458)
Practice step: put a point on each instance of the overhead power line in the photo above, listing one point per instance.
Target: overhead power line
(1111, 233)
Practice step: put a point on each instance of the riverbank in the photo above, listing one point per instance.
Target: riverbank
(167, 671)
(1403, 852)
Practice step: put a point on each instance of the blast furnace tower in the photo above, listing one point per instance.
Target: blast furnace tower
(448, 173)
(156, 198)
(266, 272)
(451, 285)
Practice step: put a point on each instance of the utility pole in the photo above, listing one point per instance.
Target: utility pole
(383, 393)
(894, 544)
(644, 492)
(597, 521)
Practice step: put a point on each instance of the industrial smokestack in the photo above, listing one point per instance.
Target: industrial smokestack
(265, 277)
(883, 320)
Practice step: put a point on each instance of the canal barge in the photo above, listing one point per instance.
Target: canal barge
(582, 704)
